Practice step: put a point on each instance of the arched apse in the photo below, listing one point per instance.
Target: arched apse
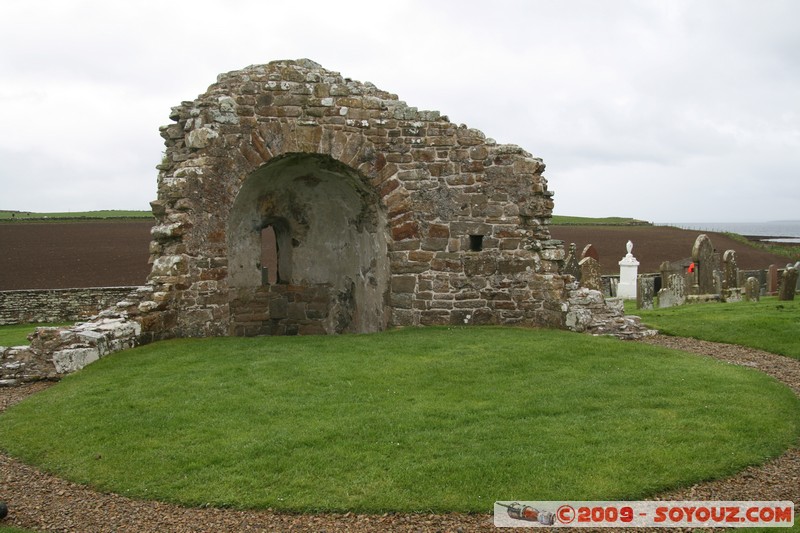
(331, 248)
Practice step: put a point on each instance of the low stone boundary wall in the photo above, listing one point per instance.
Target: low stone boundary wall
(57, 305)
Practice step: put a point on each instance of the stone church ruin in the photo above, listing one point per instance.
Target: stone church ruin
(292, 200)
(382, 215)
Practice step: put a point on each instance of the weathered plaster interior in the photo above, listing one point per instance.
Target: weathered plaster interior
(329, 230)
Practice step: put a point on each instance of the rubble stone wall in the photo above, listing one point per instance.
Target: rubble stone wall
(385, 215)
(57, 305)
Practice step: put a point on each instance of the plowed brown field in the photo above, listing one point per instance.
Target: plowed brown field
(57, 255)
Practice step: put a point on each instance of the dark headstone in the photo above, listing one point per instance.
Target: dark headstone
(645, 291)
(703, 258)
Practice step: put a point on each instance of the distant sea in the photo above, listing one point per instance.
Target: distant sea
(778, 231)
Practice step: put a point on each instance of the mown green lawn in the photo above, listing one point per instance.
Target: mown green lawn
(17, 334)
(434, 419)
(771, 325)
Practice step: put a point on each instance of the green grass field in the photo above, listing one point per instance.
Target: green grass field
(769, 325)
(564, 220)
(434, 419)
(80, 215)
(17, 334)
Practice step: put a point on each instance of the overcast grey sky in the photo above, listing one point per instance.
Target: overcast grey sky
(668, 111)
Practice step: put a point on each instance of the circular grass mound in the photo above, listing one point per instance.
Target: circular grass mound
(437, 419)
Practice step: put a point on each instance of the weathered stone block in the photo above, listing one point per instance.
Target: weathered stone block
(278, 308)
(402, 301)
(476, 265)
(434, 244)
(404, 284)
(434, 317)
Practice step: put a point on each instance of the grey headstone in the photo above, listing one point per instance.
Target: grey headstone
(571, 263)
(788, 284)
(674, 293)
(730, 278)
(664, 269)
(752, 289)
(590, 274)
(732, 295)
(760, 275)
(797, 267)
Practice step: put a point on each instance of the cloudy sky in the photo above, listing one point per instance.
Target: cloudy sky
(668, 111)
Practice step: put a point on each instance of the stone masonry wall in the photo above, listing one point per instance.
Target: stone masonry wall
(57, 305)
(464, 220)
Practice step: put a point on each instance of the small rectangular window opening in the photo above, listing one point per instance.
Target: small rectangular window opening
(476, 243)
(269, 256)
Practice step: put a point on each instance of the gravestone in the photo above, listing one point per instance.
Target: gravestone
(797, 267)
(690, 282)
(760, 275)
(590, 274)
(717, 282)
(703, 258)
(645, 290)
(628, 272)
(772, 280)
(665, 273)
(610, 284)
(788, 283)
(730, 278)
(590, 251)
(674, 293)
(571, 266)
(752, 289)
(730, 271)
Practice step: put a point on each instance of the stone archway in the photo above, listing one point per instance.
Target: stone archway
(332, 260)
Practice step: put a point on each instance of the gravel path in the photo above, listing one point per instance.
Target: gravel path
(43, 502)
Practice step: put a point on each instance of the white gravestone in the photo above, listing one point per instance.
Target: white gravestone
(628, 271)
